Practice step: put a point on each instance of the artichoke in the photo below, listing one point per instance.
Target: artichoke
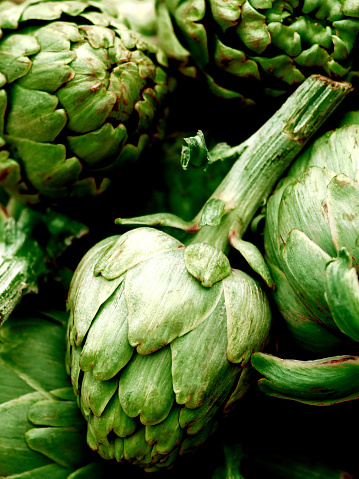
(43, 434)
(249, 48)
(161, 332)
(311, 244)
(80, 94)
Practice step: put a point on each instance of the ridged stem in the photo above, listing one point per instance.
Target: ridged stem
(268, 153)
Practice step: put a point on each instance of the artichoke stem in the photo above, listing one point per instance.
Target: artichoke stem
(267, 154)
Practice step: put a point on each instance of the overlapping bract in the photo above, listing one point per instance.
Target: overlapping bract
(43, 434)
(311, 242)
(273, 44)
(153, 354)
(80, 94)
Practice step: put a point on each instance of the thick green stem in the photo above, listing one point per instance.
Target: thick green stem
(268, 153)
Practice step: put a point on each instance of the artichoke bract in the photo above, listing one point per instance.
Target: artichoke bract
(160, 332)
(250, 48)
(80, 94)
(43, 435)
(311, 244)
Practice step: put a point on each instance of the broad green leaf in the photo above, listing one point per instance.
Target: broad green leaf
(212, 213)
(303, 207)
(319, 382)
(207, 344)
(13, 55)
(226, 12)
(48, 72)
(234, 61)
(145, 388)
(165, 301)
(166, 435)
(88, 292)
(14, 424)
(282, 67)
(342, 294)
(132, 248)
(65, 414)
(33, 115)
(304, 267)
(95, 394)
(62, 445)
(285, 38)
(343, 212)
(254, 258)
(206, 263)
(248, 316)
(112, 419)
(107, 350)
(324, 9)
(52, 173)
(87, 103)
(136, 447)
(252, 29)
(22, 339)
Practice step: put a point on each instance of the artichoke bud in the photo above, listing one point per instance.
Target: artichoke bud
(81, 96)
(311, 242)
(246, 48)
(160, 337)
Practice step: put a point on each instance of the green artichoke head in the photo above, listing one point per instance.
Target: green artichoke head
(80, 93)
(249, 48)
(159, 342)
(312, 242)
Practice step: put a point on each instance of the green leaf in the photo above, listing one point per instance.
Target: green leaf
(13, 59)
(166, 435)
(188, 15)
(52, 173)
(86, 102)
(88, 292)
(165, 301)
(252, 29)
(234, 61)
(49, 71)
(207, 344)
(24, 338)
(206, 263)
(342, 294)
(13, 418)
(195, 154)
(95, 394)
(327, 9)
(212, 212)
(145, 388)
(343, 213)
(64, 414)
(159, 219)
(132, 248)
(248, 317)
(319, 382)
(64, 446)
(106, 349)
(254, 258)
(33, 115)
(226, 13)
(285, 38)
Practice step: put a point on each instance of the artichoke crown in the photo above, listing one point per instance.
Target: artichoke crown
(247, 48)
(154, 354)
(311, 241)
(80, 93)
